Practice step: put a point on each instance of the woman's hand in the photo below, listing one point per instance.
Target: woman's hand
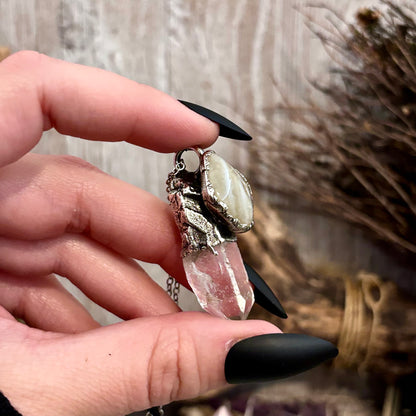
(59, 214)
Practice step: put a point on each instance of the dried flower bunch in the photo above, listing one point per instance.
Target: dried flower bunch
(356, 155)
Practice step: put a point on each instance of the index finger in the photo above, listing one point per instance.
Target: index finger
(38, 93)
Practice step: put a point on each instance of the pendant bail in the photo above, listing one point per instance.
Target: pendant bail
(178, 156)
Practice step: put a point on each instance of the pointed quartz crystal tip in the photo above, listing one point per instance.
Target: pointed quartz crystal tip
(220, 281)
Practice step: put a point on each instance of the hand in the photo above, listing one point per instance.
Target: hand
(58, 214)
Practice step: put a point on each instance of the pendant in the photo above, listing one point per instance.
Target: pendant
(210, 206)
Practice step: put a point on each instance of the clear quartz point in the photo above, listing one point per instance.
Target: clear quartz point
(220, 281)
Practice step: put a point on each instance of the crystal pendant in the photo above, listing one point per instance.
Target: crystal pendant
(210, 206)
(220, 281)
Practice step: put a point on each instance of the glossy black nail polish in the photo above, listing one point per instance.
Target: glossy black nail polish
(227, 127)
(274, 356)
(264, 295)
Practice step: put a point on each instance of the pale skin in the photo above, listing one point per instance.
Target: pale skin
(61, 215)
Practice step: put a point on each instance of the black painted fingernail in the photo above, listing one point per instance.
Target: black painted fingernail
(264, 295)
(227, 127)
(274, 356)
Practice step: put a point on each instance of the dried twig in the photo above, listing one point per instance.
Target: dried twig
(356, 156)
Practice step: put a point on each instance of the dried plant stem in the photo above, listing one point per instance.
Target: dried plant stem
(356, 156)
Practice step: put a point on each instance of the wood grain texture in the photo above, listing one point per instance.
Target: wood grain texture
(226, 55)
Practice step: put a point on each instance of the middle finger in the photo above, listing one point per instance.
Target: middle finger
(47, 196)
(114, 282)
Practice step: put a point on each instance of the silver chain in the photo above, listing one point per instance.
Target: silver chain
(172, 288)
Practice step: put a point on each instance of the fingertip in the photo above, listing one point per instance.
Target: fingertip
(226, 127)
(251, 328)
(262, 327)
(90, 103)
(199, 126)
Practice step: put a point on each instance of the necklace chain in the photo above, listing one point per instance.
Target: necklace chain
(172, 288)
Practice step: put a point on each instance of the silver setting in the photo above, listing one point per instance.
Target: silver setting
(198, 226)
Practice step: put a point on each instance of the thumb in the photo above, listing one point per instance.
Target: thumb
(121, 368)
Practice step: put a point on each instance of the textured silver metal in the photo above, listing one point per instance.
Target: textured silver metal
(198, 226)
(173, 288)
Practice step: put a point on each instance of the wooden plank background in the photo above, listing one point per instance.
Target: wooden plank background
(225, 55)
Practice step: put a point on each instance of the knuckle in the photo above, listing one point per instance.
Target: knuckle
(24, 59)
(74, 162)
(20, 68)
(173, 371)
(72, 176)
(76, 170)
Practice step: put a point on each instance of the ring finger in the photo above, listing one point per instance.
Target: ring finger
(111, 280)
(43, 303)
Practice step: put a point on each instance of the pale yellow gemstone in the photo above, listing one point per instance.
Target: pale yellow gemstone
(229, 186)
